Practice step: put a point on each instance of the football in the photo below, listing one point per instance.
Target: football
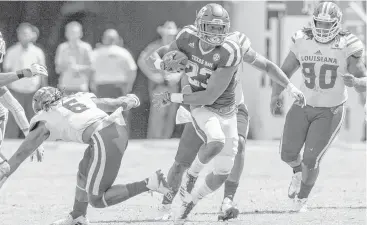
(174, 61)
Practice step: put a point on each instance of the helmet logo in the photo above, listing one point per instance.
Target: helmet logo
(201, 12)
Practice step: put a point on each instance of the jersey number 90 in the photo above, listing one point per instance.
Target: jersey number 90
(75, 106)
(308, 70)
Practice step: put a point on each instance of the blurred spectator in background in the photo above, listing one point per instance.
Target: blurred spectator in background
(73, 60)
(161, 121)
(114, 67)
(22, 55)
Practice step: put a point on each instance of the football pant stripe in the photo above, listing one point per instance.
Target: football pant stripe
(102, 165)
(231, 53)
(332, 137)
(94, 163)
(199, 131)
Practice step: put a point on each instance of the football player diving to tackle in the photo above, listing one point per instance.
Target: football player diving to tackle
(209, 86)
(8, 102)
(82, 118)
(330, 59)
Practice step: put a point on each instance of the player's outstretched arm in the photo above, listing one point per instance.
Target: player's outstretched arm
(217, 84)
(275, 73)
(357, 69)
(38, 134)
(9, 102)
(34, 70)
(111, 104)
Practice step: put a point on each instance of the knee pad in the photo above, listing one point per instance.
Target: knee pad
(213, 131)
(97, 201)
(223, 164)
(241, 145)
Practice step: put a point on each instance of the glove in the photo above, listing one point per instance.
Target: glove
(161, 99)
(129, 101)
(297, 94)
(174, 62)
(349, 79)
(275, 103)
(39, 154)
(35, 70)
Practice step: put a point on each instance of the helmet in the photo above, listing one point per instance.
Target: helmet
(44, 97)
(213, 24)
(327, 12)
(2, 48)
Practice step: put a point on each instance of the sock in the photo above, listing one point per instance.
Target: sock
(297, 169)
(305, 190)
(79, 209)
(230, 189)
(168, 198)
(137, 188)
(200, 193)
(196, 167)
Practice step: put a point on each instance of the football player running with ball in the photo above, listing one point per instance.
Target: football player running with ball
(330, 59)
(82, 118)
(7, 100)
(213, 60)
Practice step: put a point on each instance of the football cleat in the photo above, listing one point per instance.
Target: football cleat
(228, 210)
(165, 209)
(157, 182)
(300, 204)
(295, 185)
(185, 210)
(187, 184)
(81, 220)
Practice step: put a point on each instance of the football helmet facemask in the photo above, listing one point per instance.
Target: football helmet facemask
(213, 24)
(329, 14)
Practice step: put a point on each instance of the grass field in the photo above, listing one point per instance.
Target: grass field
(40, 193)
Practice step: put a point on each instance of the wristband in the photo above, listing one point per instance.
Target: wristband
(20, 74)
(176, 97)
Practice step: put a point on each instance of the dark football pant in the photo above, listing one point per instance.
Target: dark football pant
(190, 142)
(102, 159)
(314, 127)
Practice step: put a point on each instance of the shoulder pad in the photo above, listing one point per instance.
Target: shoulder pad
(186, 31)
(354, 46)
(243, 41)
(232, 54)
(305, 33)
(85, 94)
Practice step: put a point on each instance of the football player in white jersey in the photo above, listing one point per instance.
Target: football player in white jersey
(82, 118)
(330, 59)
(7, 100)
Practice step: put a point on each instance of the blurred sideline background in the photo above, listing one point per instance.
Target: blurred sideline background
(268, 24)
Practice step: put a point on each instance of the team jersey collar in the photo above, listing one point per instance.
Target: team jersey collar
(202, 51)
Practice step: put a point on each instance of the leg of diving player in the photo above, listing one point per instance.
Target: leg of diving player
(228, 209)
(97, 172)
(324, 127)
(294, 135)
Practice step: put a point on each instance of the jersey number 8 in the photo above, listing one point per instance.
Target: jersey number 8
(308, 70)
(75, 106)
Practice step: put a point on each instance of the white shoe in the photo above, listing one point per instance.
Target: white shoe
(157, 182)
(165, 209)
(295, 185)
(228, 210)
(81, 220)
(300, 204)
(185, 210)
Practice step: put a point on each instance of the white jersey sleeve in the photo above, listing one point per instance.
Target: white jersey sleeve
(353, 45)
